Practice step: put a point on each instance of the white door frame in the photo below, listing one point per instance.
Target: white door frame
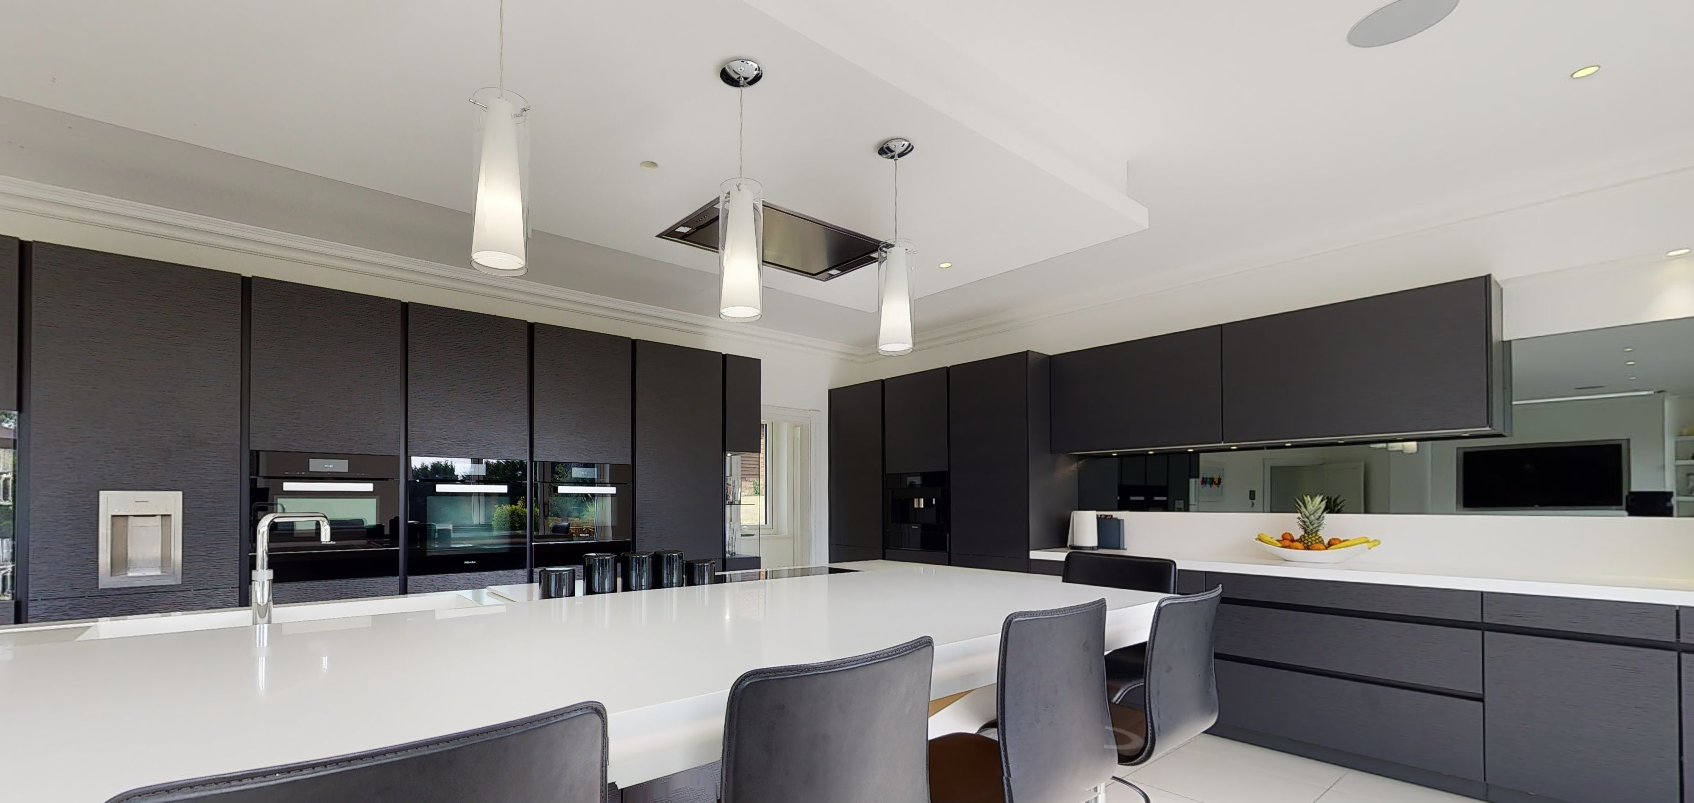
(817, 462)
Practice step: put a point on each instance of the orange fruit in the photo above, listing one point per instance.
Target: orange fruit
(1287, 536)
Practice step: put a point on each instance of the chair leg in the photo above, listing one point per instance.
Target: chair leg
(1136, 789)
(1100, 794)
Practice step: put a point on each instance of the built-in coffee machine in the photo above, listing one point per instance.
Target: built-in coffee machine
(915, 517)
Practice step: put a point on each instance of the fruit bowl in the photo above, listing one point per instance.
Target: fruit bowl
(1319, 556)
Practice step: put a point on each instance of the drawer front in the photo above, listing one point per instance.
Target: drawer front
(1425, 655)
(1191, 582)
(1685, 617)
(1599, 617)
(1427, 731)
(1430, 603)
(1055, 568)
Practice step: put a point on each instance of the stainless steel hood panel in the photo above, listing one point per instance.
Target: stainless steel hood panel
(793, 242)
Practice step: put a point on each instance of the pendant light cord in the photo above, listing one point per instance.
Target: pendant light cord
(896, 201)
(502, 48)
(740, 131)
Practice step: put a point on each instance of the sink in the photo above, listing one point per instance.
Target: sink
(443, 603)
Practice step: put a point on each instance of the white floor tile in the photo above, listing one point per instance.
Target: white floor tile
(1208, 778)
(1293, 767)
(1118, 793)
(1362, 787)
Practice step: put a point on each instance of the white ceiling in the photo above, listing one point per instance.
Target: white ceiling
(1251, 130)
(1597, 361)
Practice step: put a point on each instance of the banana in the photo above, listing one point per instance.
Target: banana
(1351, 542)
(1263, 538)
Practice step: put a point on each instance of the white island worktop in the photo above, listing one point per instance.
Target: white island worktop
(85, 720)
(1614, 558)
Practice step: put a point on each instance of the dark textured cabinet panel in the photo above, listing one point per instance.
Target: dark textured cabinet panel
(467, 384)
(1685, 625)
(1599, 617)
(1428, 360)
(584, 383)
(742, 412)
(994, 562)
(58, 609)
(1097, 483)
(914, 434)
(1429, 603)
(1052, 476)
(1432, 732)
(135, 385)
(1688, 728)
(1423, 655)
(1052, 568)
(989, 484)
(915, 556)
(679, 458)
(1582, 723)
(326, 590)
(1154, 392)
(9, 311)
(424, 584)
(1191, 582)
(326, 370)
(855, 472)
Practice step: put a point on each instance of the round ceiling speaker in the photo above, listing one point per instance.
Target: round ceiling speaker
(1398, 21)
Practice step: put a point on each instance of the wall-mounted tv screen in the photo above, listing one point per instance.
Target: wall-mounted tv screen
(1565, 476)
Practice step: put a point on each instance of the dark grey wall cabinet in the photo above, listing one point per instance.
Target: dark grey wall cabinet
(1157, 392)
(1582, 723)
(326, 371)
(467, 384)
(1429, 360)
(679, 455)
(741, 406)
(855, 472)
(914, 433)
(1097, 483)
(135, 384)
(584, 383)
(9, 301)
(1009, 492)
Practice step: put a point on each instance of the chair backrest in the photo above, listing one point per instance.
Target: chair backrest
(1182, 689)
(1055, 730)
(1121, 571)
(558, 757)
(842, 731)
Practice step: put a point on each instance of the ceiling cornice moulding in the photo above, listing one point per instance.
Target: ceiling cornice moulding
(76, 206)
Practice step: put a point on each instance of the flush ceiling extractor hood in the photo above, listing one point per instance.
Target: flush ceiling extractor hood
(794, 242)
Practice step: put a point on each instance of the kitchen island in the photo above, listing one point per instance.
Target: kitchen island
(87, 719)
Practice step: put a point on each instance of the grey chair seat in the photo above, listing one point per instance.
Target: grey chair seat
(1126, 669)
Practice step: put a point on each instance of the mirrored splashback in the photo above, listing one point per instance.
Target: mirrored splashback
(1602, 425)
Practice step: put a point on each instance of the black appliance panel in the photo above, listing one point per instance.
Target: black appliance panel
(467, 514)
(359, 494)
(583, 502)
(915, 511)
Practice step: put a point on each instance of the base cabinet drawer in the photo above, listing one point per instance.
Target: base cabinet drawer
(1446, 658)
(1431, 732)
(1579, 722)
(1424, 603)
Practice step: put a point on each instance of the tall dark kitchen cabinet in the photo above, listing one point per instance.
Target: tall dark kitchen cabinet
(1010, 493)
(742, 415)
(583, 390)
(467, 396)
(855, 472)
(134, 384)
(9, 309)
(326, 376)
(914, 435)
(679, 450)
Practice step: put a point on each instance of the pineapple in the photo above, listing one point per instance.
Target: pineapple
(1310, 510)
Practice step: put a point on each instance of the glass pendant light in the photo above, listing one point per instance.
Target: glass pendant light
(894, 336)
(500, 231)
(741, 214)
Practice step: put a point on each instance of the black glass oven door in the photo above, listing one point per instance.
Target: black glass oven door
(467, 515)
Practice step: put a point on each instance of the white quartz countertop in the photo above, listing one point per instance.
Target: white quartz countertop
(1523, 580)
(86, 720)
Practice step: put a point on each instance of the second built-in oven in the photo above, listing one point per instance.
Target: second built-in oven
(584, 507)
(466, 514)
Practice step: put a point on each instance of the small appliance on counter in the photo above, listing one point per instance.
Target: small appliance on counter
(466, 514)
(585, 507)
(358, 493)
(1085, 530)
(915, 517)
(1110, 529)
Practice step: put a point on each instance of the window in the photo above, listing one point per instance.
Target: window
(755, 507)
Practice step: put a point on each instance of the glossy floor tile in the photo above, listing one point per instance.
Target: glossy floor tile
(1214, 770)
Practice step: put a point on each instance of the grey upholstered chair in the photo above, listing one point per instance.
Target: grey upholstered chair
(842, 731)
(1055, 740)
(557, 757)
(1125, 666)
(1179, 699)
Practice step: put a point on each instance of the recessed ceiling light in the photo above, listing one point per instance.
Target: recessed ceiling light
(1634, 378)
(1628, 349)
(1398, 21)
(1629, 362)
(649, 165)
(1586, 71)
(683, 229)
(946, 265)
(1680, 252)
(1288, 444)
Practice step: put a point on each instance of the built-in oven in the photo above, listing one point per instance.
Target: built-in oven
(358, 493)
(466, 514)
(585, 507)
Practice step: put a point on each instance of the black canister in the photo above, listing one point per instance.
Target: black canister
(671, 572)
(638, 574)
(600, 573)
(558, 581)
(701, 572)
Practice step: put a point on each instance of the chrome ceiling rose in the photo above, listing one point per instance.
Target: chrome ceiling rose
(741, 73)
(1399, 21)
(896, 148)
